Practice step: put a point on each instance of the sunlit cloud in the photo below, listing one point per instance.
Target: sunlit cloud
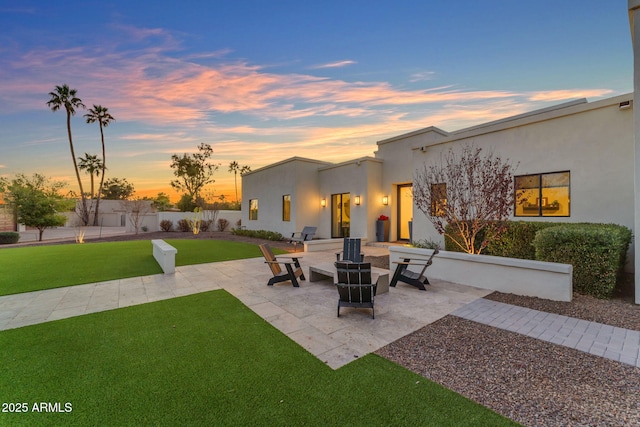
(171, 100)
(561, 95)
(422, 76)
(337, 64)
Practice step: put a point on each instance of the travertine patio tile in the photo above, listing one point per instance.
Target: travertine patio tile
(314, 341)
(287, 323)
(340, 356)
(267, 309)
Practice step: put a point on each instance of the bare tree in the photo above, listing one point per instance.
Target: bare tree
(470, 193)
(136, 210)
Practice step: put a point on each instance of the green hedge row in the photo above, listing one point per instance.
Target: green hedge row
(596, 251)
(261, 234)
(9, 237)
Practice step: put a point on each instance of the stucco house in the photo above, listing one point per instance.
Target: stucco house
(576, 160)
(579, 161)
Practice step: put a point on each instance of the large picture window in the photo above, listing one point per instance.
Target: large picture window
(544, 194)
(286, 207)
(253, 210)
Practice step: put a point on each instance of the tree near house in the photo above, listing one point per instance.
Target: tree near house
(36, 201)
(64, 97)
(235, 168)
(99, 114)
(117, 189)
(472, 193)
(92, 165)
(193, 171)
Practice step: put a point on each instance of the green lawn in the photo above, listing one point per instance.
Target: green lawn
(26, 269)
(206, 359)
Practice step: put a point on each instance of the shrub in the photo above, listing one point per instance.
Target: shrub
(145, 228)
(517, 239)
(205, 224)
(260, 234)
(450, 242)
(9, 237)
(596, 251)
(222, 224)
(184, 226)
(426, 244)
(166, 225)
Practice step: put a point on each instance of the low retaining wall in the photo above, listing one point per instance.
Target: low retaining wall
(540, 279)
(165, 255)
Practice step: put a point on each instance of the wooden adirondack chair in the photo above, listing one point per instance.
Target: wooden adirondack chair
(354, 286)
(403, 274)
(291, 272)
(351, 250)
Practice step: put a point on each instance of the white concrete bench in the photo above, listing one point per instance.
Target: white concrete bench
(165, 255)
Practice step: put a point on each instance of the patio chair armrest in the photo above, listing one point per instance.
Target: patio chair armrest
(280, 262)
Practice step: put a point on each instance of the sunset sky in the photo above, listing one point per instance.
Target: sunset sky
(262, 81)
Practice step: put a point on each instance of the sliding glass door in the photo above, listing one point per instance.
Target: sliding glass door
(340, 215)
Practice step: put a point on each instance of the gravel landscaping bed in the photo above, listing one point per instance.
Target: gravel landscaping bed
(530, 381)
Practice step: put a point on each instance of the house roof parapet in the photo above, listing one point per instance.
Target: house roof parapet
(565, 109)
(414, 133)
(320, 163)
(356, 162)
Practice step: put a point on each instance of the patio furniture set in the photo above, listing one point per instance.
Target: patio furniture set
(357, 281)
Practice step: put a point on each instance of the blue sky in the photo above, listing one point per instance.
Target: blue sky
(262, 81)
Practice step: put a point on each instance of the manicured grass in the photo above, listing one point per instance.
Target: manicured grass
(206, 359)
(34, 268)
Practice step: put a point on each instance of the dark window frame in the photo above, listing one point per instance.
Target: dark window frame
(540, 213)
(253, 217)
(286, 213)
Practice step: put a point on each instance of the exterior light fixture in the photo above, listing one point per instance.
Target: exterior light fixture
(385, 200)
(323, 202)
(357, 200)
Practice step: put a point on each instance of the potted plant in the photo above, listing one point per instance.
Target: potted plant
(382, 228)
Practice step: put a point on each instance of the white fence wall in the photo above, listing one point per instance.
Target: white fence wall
(232, 216)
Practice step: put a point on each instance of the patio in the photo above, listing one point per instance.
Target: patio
(306, 314)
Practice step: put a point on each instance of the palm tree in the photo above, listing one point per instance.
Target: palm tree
(61, 97)
(101, 115)
(234, 167)
(92, 165)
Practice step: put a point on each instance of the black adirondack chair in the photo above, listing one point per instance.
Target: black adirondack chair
(351, 250)
(354, 286)
(403, 274)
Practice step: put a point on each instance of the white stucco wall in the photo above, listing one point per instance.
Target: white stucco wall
(297, 177)
(594, 141)
(360, 177)
(398, 155)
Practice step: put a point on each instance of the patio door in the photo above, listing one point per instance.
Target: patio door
(340, 215)
(405, 210)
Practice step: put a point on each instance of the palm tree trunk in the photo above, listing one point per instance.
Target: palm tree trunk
(95, 217)
(85, 214)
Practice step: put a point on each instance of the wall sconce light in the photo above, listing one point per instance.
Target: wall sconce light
(385, 200)
(323, 202)
(357, 200)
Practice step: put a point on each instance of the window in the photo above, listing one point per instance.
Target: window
(253, 210)
(438, 199)
(286, 207)
(544, 194)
